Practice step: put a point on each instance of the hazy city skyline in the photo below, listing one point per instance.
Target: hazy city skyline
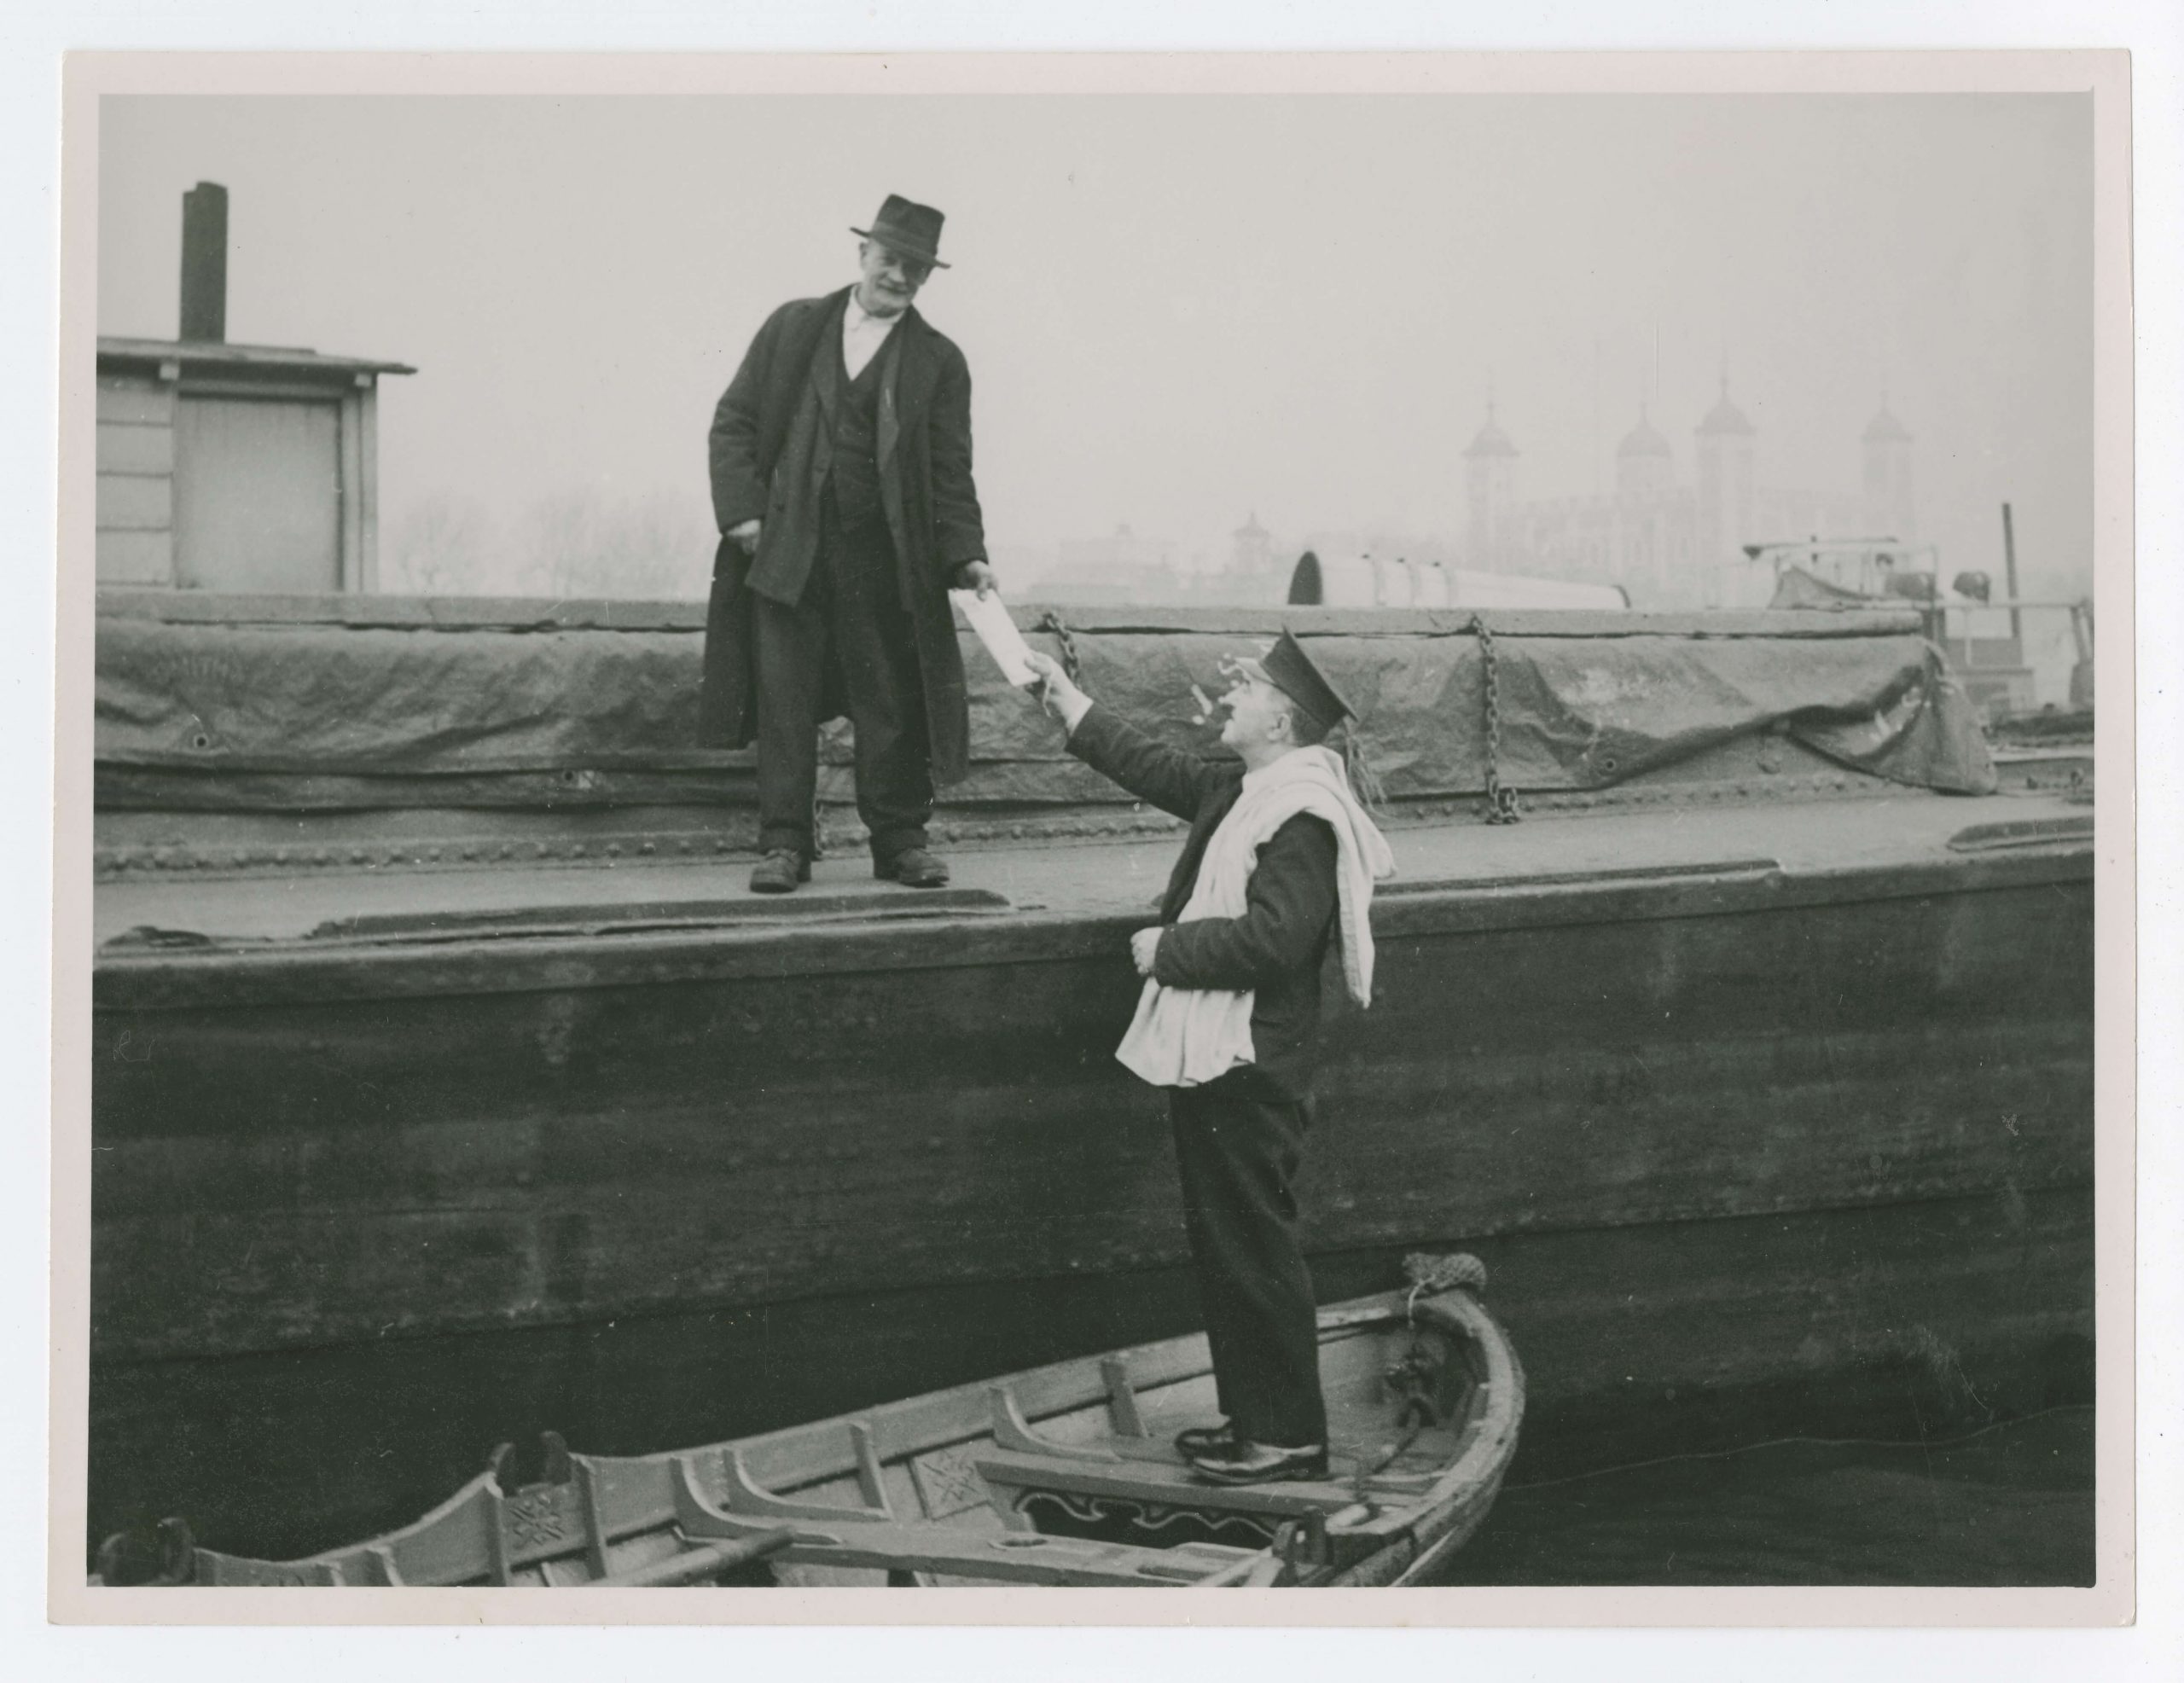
(1178, 310)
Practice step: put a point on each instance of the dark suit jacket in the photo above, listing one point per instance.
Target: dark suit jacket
(768, 451)
(1277, 948)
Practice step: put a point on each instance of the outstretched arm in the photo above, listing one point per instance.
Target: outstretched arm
(1168, 778)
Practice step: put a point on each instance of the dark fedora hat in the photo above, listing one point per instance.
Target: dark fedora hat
(912, 230)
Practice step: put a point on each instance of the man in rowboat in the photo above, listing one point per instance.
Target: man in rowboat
(1280, 859)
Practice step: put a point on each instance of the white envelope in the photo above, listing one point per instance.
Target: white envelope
(998, 632)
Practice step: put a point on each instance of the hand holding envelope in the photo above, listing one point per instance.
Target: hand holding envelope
(998, 632)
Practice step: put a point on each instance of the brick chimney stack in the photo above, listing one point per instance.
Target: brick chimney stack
(205, 263)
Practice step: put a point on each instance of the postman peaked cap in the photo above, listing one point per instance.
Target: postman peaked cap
(912, 230)
(1292, 671)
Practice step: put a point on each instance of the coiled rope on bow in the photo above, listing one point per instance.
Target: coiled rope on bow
(1413, 1380)
(1429, 1274)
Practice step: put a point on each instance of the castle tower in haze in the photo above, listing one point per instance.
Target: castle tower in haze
(1490, 490)
(1645, 465)
(1672, 541)
(1251, 549)
(1646, 507)
(1889, 511)
(1728, 494)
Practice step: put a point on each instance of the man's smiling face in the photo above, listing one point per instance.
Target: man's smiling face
(890, 280)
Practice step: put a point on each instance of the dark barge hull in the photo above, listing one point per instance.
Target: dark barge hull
(1735, 1105)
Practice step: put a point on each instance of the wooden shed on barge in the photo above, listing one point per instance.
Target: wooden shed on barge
(234, 466)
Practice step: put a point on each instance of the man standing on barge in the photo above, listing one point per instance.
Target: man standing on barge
(840, 458)
(1280, 859)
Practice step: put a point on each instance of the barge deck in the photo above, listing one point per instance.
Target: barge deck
(1750, 1074)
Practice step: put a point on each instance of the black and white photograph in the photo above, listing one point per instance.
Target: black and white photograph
(1132, 833)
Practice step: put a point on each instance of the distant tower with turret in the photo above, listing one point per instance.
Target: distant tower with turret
(1889, 508)
(1645, 499)
(1250, 547)
(1728, 494)
(1490, 492)
(1645, 464)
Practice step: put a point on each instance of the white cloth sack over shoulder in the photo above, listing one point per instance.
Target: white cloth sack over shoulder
(1188, 1036)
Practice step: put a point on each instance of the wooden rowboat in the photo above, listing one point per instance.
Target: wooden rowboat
(1061, 1475)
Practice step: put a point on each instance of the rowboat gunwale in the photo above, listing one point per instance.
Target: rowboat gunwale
(1408, 1533)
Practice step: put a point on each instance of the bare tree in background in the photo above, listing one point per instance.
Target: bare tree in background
(584, 541)
(591, 543)
(443, 545)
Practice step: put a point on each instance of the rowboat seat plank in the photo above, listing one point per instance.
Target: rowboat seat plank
(793, 1574)
(1142, 1481)
(1020, 1557)
(1149, 1451)
(1158, 1458)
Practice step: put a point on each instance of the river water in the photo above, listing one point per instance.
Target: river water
(282, 1454)
(2009, 1505)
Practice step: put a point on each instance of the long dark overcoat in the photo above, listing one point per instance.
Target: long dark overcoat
(770, 444)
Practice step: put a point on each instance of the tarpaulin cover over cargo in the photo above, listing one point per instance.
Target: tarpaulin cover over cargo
(309, 701)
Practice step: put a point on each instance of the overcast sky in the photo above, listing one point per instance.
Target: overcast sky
(1178, 310)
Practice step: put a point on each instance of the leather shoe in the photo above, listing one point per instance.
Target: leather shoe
(913, 866)
(1262, 1464)
(1221, 1440)
(780, 872)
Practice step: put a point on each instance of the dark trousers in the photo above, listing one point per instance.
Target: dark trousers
(1237, 1149)
(851, 610)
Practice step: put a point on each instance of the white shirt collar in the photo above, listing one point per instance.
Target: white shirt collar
(863, 334)
(864, 318)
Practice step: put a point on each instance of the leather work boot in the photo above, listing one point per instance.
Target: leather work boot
(913, 866)
(1262, 1464)
(780, 872)
(1221, 1440)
